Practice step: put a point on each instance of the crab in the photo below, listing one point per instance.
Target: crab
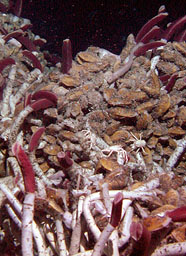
(89, 139)
(122, 155)
(138, 144)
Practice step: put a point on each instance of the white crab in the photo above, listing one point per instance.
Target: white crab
(138, 143)
(122, 155)
(89, 138)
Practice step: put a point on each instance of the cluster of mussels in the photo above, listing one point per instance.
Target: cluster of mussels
(99, 147)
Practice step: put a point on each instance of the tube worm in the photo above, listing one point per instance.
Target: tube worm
(28, 203)
(66, 56)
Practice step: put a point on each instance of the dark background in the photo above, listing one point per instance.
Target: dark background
(100, 23)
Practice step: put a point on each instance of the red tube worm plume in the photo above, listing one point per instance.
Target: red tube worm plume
(35, 138)
(39, 42)
(42, 100)
(28, 44)
(178, 214)
(36, 63)
(149, 46)
(66, 56)
(150, 31)
(142, 238)
(15, 34)
(181, 37)
(154, 33)
(149, 25)
(65, 159)
(27, 99)
(174, 28)
(41, 104)
(26, 27)
(42, 94)
(18, 7)
(26, 167)
(5, 62)
(164, 78)
(116, 210)
(171, 82)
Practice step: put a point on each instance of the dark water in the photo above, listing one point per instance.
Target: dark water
(101, 23)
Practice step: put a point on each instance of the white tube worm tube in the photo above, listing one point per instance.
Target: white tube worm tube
(27, 219)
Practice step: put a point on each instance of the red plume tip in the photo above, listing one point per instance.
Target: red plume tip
(26, 167)
(116, 210)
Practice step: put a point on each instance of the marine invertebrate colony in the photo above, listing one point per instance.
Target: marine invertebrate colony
(92, 150)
